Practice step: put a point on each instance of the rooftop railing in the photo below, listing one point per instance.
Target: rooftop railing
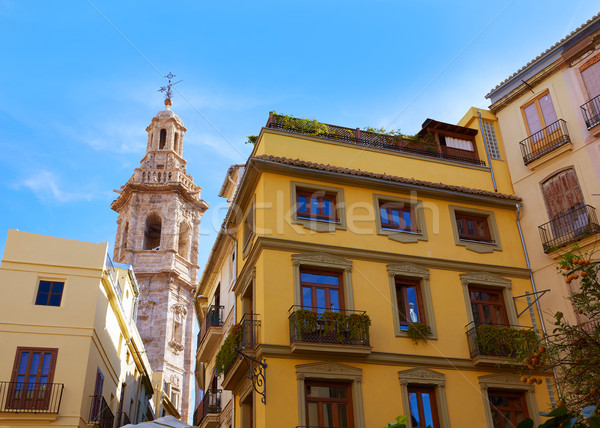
(344, 327)
(591, 112)
(25, 397)
(571, 226)
(544, 141)
(374, 140)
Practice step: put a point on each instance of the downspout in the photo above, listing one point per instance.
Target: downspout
(537, 301)
(487, 151)
(234, 308)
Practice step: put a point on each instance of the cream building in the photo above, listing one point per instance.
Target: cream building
(549, 117)
(71, 353)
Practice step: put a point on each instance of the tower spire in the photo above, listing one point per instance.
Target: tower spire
(168, 90)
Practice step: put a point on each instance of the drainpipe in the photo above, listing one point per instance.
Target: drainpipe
(537, 302)
(487, 151)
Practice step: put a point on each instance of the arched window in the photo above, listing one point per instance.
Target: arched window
(163, 139)
(184, 241)
(176, 143)
(152, 232)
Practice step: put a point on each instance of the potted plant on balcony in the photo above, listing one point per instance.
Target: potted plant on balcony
(418, 331)
(305, 323)
(358, 328)
(505, 341)
(227, 354)
(334, 325)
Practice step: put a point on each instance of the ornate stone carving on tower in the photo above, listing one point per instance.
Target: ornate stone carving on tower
(158, 229)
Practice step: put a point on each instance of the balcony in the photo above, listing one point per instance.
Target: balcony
(397, 143)
(544, 141)
(19, 397)
(122, 419)
(591, 113)
(566, 228)
(208, 412)
(489, 343)
(246, 338)
(211, 332)
(327, 331)
(100, 414)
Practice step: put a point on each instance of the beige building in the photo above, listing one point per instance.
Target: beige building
(71, 353)
(549, 117)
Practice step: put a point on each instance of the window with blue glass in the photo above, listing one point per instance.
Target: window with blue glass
(32, 378)
(321, 290)
(316, 205)
(397, 216)
(423, 407)
(49, 293)
(409, 303)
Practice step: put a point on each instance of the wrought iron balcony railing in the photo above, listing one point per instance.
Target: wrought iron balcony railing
(122, 419)
(591, 112)
(100, 413)
(210, 404)
(500, 340)
(371, 139)
(544, 141)
(318, 325)
(571, 226)
(250, 326)
(213, 318)
(25, 397)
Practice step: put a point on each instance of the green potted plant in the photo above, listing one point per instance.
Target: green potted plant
(418, 331)
(305, 322)
(227, 354)
(334, 324)
(358, 328)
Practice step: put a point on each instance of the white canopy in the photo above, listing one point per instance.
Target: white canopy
(165, 421)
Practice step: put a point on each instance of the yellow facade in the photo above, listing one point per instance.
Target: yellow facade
(276, 247)
(84, 333)
(566, 149)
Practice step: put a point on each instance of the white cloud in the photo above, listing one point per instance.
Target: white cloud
(118, 137)
(46, 185)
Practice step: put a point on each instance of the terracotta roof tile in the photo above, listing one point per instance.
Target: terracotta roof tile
(387, 177)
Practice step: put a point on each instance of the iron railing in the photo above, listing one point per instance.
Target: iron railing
(591, 112)
(320, 325)
(501, 340)
(100, 413)
(571, 226)
(250, 327)
(544, 141)
(25, 397)
(213, 318)
(211, 403)
(378, 141)
(123, 419)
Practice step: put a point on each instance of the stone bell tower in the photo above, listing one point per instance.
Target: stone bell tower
(158, 229)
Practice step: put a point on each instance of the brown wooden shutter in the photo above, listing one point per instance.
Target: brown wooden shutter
(562, 193)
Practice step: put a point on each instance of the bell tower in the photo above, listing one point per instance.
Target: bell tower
(158, 230)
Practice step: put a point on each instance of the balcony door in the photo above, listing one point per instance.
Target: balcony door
(539, 114)
(321, 290)
(488, 307)
(564, 203)
(31, 382)
(328, 405)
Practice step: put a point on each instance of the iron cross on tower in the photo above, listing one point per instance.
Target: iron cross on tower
(168, 90)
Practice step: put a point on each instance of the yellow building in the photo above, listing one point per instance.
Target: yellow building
(366, 268)
(71, 354)
(549, 117)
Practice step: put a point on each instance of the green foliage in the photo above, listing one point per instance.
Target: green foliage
(383, 131)
(401, 422)
(252, 139)
(227, 354)
(303, 126)
(562, 417)
(506, 341)
(418, 331)
(358, 326)
(335, 324)
(305, 321)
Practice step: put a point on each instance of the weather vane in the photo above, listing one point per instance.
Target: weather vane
(168, 90)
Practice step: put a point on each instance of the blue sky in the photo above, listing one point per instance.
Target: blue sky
(79, 80)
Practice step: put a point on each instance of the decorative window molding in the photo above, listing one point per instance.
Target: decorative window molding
(416, 273)
(329, 262)
(425, 377)
(314, 224)
(476, 246)
(507, 382)
(492, 281)
(331, 371)
(416, 213)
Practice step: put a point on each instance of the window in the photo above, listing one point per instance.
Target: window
(317, 208)
(49, 293)
(487, 306)
(97, 398)
(316, 205)
(328, 404)
(321, 290)
(411, 294)
(475, 229)
(183, 247)
(538, 114)
(409, 303)
(401, 219)
(507, 408)
(562, 195)
(490, 138)
(396, 216)
(590, 73)
(163, 139)
(32, 377)
(248, 226)
(152, 232)
(423, 408)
